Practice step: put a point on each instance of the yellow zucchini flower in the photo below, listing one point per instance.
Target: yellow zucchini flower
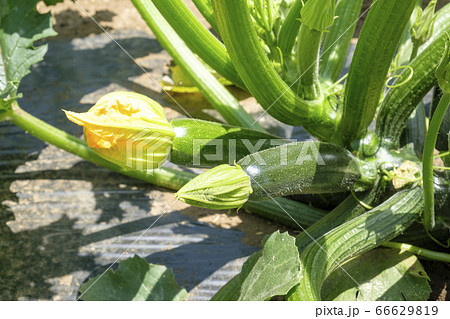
(128, 129)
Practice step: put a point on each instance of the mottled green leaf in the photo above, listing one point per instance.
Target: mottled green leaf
(20, 26)
(135, 279)
(381, 274)
(272, 271)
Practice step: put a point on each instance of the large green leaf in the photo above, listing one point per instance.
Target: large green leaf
(135, 279)
(382, 274)
(272, 271)
(20, 26)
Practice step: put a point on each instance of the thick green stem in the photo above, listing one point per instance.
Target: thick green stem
(427, 161)
(443, 136)
(402, 100)
(353, 238)
(295, 215)
(222, 100)
(289, 29)
(261, 78)
(308, 55)
(345, 211)
(198, 38)
(373, 56)
(299, 214)
(420, 252)
(337, 41)
(205, 8)
(414, 52)
(165, 177)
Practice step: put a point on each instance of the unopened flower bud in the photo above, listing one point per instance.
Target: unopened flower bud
(128, 129)
(318, 14)
(222, 187)
(422, 29)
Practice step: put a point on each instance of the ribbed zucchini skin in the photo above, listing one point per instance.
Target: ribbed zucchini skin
(300, 168)
(196, 143)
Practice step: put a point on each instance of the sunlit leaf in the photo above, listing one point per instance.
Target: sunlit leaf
(134, 280)
(381, 274)
(272, 271)
(20, 26)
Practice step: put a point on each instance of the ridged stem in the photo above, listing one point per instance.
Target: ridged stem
(427, 161)
(261, 78)
(289, 29)
(420, 252)
(373, 56)
(337, 40)
(353, 238)
(222, 100)
(402, 100)
(308, 55)
(205, 8)
(198, 38)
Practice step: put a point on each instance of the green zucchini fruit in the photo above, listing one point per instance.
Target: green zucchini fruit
(301, 168)
(294, 168)
(355, 237)
(200, 143)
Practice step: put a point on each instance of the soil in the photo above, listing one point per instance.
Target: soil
(72, 19)
(76, 19)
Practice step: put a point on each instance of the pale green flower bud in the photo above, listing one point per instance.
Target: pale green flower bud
(422, 29)
(318, 14)
(443, 71)
(128, 129)
(223, 187)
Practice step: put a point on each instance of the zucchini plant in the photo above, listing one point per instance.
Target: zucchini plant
(289, 55)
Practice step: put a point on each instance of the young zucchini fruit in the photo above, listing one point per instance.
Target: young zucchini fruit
(200, 143)
(294, 168)
(131, 130)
